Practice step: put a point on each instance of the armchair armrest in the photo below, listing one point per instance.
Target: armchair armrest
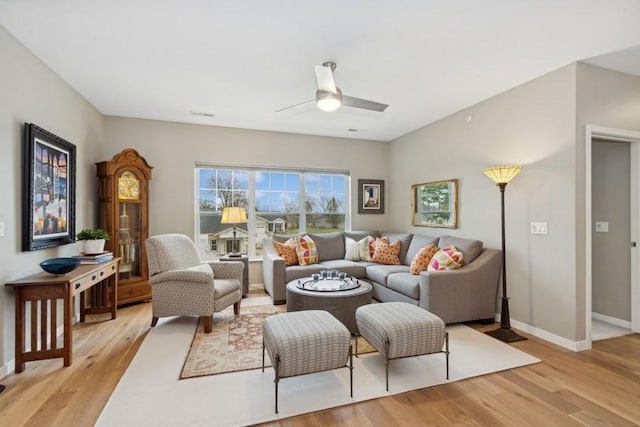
(196, 274)
(227, 269)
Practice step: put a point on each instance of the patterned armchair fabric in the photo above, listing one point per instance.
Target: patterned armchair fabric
(182, 285)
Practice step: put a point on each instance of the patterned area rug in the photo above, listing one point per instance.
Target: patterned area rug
(235, 343)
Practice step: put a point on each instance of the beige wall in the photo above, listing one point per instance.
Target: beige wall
(532, 125)
(174, 148)
(31, 92)
(609, 99)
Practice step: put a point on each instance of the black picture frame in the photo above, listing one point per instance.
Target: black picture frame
(49, 187)
(370, 196)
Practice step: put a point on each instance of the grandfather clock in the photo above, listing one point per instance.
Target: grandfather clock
(123, 192)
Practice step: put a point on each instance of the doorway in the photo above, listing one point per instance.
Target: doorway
(593, 135)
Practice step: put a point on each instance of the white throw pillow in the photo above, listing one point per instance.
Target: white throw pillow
(358, 251)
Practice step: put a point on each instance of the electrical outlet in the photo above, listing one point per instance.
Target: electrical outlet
(602, 226)
(539, 228)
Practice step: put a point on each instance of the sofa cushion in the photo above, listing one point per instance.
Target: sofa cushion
(299, 271)
(378, 273)
(287, 250)
(404, 283)
(470, 249)
(385, 252)
(360, 250)
(448, 258)
(405, 241)
(359, 235)
(421, 261)
(418, 241)
(329, 245)
(352, 268)
(306, 250)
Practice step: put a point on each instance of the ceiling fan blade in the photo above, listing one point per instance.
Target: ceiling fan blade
(324, 77)
(295, 105)
(365, 104)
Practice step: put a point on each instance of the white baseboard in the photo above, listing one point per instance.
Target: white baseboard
(611, 320)
(548, 336)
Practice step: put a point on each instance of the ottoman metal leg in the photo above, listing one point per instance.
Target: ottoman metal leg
(351, 369)
(386, 362)
(446, 344)
(276, 365)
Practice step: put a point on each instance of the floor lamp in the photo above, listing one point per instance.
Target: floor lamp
(234, 215)
(502, 175)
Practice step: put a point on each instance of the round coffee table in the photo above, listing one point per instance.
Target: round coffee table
(341, 303)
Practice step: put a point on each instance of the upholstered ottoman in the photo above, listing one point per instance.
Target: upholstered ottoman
(400, 329)
(304, 342)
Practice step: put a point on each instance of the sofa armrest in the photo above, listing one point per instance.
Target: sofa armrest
(469, 293)
(273, 272)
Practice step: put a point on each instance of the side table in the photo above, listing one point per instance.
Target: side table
(245, 274)
(42, 291)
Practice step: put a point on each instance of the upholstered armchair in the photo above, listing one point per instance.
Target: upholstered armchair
(181, 284)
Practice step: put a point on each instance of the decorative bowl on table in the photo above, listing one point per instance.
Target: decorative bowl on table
(59, 265)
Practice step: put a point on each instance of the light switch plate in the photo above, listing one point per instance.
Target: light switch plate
(602, 226)
(1, 228)
(539, 228)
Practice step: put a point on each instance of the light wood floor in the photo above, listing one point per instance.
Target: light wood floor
(599, 387)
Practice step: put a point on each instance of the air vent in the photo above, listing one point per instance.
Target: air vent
(202, 113)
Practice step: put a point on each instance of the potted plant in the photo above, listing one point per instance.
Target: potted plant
(94, 240)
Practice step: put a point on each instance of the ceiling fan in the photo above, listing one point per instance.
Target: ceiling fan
(329, 97)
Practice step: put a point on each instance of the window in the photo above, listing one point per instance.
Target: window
(277, 202)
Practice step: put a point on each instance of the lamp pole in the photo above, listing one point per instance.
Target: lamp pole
(504, 332)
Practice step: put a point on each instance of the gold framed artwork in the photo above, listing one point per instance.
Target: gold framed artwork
(435, 204)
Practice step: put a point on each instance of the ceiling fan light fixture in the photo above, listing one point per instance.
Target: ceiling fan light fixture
(327, 101)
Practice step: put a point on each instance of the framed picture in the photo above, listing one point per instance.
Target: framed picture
(435, 204)
(370, 196)
(49, 184)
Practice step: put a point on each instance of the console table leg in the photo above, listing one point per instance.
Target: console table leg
(68, 339)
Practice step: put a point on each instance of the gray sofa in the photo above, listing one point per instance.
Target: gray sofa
(466, 294)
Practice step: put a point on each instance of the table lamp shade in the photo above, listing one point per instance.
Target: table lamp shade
(233, 215)
(502, 174)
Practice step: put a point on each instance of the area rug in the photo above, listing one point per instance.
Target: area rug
(234, 343)
(150, 393)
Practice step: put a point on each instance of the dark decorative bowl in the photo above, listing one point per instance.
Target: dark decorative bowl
(59, 265)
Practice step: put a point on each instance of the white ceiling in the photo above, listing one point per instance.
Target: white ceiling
(243, 60)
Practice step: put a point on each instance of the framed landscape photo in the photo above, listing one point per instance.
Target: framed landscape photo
(48, 189)
(370, 196)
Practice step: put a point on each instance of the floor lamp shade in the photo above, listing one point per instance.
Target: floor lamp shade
(234, 215)
(502, 175)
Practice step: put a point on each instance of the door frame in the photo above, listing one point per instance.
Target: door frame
(621, 135)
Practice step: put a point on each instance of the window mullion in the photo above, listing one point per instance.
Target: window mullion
(302, 204)
(251, 215)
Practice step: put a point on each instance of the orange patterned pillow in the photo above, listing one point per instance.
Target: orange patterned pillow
(385, 252)
(306, 250)
(287, 250)
(420, 262)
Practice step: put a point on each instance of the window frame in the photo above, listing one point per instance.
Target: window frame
(251, 199)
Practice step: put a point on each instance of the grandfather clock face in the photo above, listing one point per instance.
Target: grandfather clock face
(128, 186)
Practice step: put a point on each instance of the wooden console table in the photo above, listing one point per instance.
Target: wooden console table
(42, 290)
